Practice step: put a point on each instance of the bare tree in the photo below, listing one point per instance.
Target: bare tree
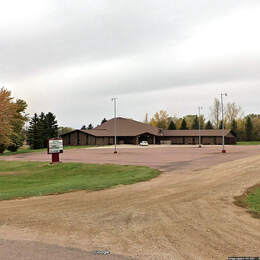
(232, 111)
(215, 112)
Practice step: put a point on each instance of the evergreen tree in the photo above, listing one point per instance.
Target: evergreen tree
(84, 127)
(34, 137)
(184, 125)
(103, 121)
(234, 126)
(171, 126)
(195, 123)
(249, 128)
(51, 127)
(42, 128)
(90, 126)
(220, 125)
(209, 125)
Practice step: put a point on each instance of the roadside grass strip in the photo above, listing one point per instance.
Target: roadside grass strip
(249, 143)
(26, 179)
(29, 150)
(250, 200)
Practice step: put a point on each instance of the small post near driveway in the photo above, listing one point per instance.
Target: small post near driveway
(55, 147)
(223, 123)
(114, 100)
(199, 128)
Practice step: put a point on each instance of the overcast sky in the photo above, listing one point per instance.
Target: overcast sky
(70, 57)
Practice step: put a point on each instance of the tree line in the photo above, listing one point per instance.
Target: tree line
(246, 128)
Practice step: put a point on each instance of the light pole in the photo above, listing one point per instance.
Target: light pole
(115, 125)
(223, 126)
(200, 108)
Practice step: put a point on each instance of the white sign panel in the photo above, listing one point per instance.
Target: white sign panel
(56, 146)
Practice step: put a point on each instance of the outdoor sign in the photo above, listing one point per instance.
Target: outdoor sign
(55, 146)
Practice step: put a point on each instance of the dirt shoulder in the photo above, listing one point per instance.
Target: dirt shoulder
(187, 213)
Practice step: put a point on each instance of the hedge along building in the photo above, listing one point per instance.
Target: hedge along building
(133, 132)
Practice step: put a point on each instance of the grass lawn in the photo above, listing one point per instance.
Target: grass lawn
(249, 143)
(251, 200)
(27, 149)
(26, 179)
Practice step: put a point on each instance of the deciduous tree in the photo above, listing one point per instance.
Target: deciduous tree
(7, 115)
(215, 112)
(232, 111)
(17, 136)
(160, 120)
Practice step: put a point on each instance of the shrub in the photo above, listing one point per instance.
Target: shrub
(12, 148)
(2, 148)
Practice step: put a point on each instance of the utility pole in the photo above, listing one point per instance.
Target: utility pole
(115, 124)
(223, 125)
(200, 108)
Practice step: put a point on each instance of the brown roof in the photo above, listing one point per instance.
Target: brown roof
(210, 132)
(129, 127)
(125, 127)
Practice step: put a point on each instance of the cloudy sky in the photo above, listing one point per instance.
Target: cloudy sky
(70, 57)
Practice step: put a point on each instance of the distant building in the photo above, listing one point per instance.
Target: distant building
(133, 132)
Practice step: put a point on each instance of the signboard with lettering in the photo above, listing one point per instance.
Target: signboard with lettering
(55, 146)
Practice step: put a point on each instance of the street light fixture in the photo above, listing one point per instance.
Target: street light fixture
(200, 108)
(223, 125)
(115, 125)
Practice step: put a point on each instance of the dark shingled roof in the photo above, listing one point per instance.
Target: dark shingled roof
(125, 127)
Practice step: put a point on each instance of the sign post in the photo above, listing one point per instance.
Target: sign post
(55, 147)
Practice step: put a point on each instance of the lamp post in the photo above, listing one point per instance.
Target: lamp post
(223, 126)
(115, 125)
(200, 108)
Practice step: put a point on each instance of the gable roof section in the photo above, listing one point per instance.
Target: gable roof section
(125, 127)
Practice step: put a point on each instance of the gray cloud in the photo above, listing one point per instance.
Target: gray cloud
(72, 56)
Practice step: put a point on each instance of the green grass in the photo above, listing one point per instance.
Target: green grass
(251, 200)
(249, 143)
(26, 149)
(26, 179)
